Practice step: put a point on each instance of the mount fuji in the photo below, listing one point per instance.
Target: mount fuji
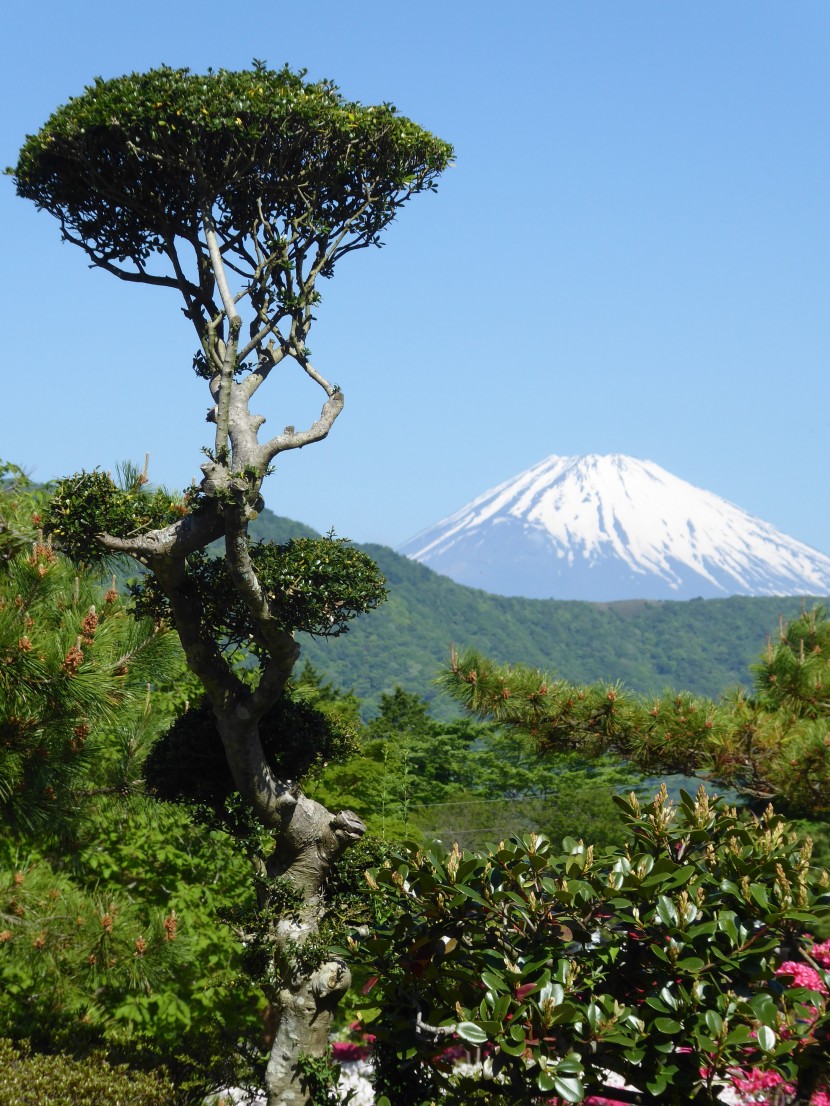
(604, 528)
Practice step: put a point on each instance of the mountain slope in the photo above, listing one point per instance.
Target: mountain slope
(699, 646)
(609, 528)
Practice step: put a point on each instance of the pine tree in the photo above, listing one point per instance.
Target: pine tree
(770, 745)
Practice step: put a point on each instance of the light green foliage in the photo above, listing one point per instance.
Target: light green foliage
(75, 669)
(23, 505)
(28, 1079)
(124, 943)
(111, 907)
(71, 953)
(772, 744)
(656, 961)
(416, 777)
(311, 687)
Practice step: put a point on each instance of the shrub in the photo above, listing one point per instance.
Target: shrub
(37, 1079)
(668, 963)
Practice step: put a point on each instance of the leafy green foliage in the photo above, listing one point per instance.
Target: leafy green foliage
(132, 162)
(112, 931)
(88, 503)
(123, 944)
(73, 683)
(311, 687)
(464, 781)
(31, 1079)
(660, 962)
(774, 744)
(316, 585)
(21, 515)
(69, 956)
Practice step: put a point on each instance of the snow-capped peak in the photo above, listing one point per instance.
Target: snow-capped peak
(613, 527)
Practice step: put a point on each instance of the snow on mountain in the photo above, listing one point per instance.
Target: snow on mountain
(611, 527)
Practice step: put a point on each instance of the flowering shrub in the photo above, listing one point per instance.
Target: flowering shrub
(667, 965)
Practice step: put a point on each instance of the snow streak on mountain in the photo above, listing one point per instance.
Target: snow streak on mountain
(606, 528)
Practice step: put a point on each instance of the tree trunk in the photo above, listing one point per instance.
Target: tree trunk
(305, 983)
(308, 983)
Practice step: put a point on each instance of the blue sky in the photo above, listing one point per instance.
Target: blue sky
(630, 255)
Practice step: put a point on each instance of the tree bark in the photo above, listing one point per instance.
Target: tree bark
(306, 983)
(307, 987)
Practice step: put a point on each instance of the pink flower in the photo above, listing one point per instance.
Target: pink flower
(753, 1082)
(803, 976)
(345, 1051)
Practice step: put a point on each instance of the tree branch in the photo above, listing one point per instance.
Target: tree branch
(291, 439)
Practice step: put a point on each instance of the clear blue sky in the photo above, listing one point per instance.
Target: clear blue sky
(632, 254)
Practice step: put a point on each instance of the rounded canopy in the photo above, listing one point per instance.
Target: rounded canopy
(136, 161)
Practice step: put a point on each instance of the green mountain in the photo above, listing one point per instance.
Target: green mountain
(701, 645)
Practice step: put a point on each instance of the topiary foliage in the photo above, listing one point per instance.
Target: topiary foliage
(188, 762)
(32, 1079)
(90, 503)
(317, 585)
(135, 161)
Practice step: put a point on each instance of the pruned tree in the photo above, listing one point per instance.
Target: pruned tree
(240, 191)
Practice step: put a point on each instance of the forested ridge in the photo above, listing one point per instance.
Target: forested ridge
(704, 646)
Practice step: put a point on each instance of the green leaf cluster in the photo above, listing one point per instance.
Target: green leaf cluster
(122, 943)
(314, 585)
(110, 907)
(91, 503)
(467, 781)
(36, 1079)
(656, 962)
(21, 516)
(74, 679)
(133, 162)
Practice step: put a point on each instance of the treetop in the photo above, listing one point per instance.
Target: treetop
(137, 160)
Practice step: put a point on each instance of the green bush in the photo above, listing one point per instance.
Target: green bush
(667, 962)
(37, 1079)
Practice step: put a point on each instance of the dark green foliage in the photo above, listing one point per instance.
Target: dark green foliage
(314, 585)
(28, 1079)
(189, 762)
(657, 962)
(156, 149)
